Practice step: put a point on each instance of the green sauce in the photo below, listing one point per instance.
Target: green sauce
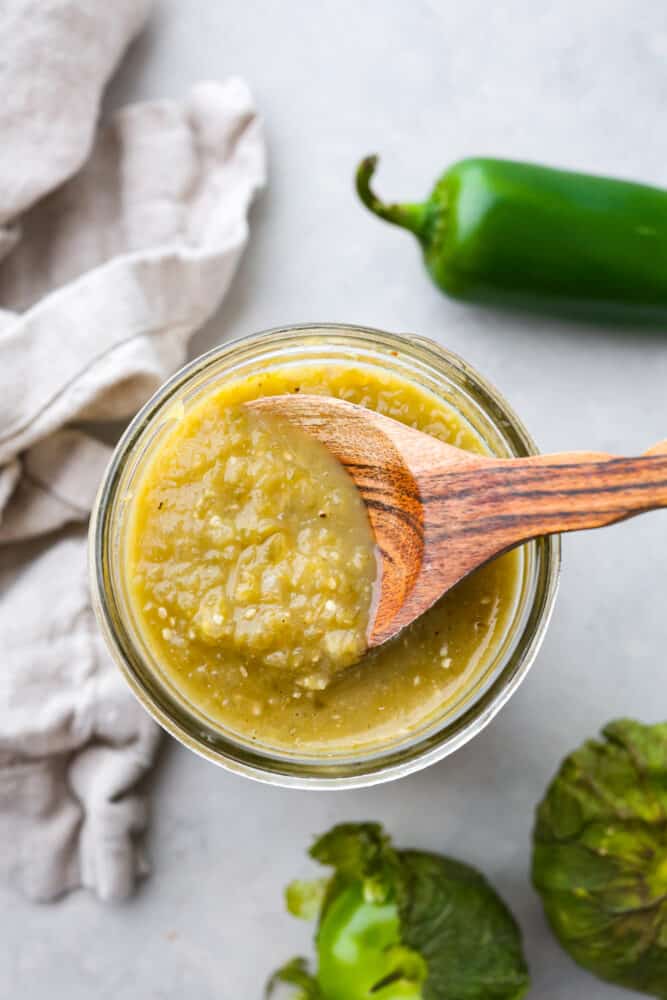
(251, 564)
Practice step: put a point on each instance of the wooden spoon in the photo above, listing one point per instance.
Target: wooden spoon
(438, 512)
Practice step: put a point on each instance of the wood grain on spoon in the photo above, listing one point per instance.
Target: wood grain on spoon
(438, 512)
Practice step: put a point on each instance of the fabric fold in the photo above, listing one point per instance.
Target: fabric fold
(102, 282)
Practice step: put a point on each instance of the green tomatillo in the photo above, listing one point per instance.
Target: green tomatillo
(402, 925)
(600, 856)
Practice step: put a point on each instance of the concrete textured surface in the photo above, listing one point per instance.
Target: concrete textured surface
(576, 84)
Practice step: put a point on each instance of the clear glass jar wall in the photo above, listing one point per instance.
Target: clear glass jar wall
(415, 359)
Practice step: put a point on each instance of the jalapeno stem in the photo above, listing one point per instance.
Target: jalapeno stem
(409, 216)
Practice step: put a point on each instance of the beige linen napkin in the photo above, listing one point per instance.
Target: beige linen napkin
(103, 278)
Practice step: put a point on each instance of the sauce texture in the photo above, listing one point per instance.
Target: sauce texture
(251, 564)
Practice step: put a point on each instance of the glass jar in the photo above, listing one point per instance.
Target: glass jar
(413, 358)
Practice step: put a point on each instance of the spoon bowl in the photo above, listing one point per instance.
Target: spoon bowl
(438, 513)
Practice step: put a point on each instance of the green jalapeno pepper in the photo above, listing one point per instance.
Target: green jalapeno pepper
(496, 231)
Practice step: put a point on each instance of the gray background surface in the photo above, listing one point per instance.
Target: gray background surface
(578, 83)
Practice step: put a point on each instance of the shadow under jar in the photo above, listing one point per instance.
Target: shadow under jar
(401, 707)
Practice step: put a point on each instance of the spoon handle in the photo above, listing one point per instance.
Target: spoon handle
(548, 494)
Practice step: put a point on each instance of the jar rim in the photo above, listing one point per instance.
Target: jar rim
(272, 766)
